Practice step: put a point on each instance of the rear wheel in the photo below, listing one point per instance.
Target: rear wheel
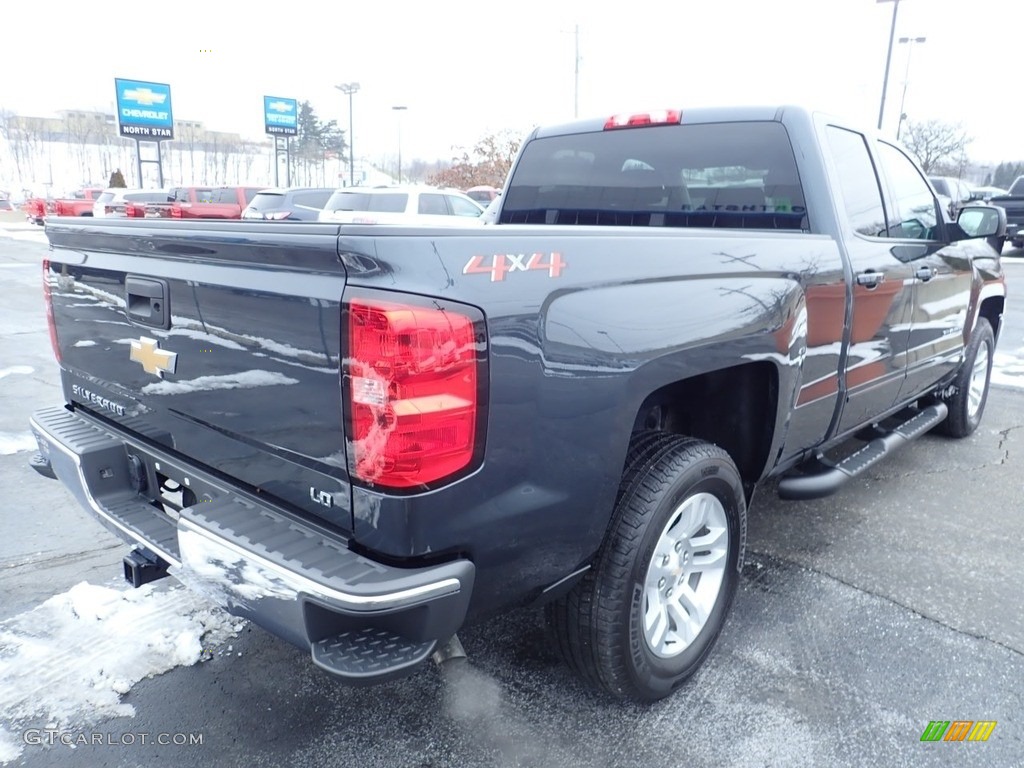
(967, 404)
(646, 615)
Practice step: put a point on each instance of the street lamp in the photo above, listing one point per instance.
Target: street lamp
(906, 77)
(349, 89)
(888, 58)
(399, 110)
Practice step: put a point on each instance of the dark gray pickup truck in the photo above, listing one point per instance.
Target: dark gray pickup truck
(363, 438)
(1013, 204)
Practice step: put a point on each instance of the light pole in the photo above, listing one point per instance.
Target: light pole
(399, 110)
(576, 71)
(906, 77)
(349, 89)
(888, 58)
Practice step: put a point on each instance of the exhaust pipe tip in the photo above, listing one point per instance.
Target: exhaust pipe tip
(450, 651)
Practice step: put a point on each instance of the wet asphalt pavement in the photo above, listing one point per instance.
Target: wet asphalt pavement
(860, 618)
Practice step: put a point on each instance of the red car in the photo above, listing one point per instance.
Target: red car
(221, 203)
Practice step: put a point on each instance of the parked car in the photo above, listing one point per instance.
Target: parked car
(955, 191)
(288, 204)
(79, 203)
(219, 203)
(114, 201)
(393, 205)
(483, 194)
(6, 204)
(987, 193)
(1013, 203)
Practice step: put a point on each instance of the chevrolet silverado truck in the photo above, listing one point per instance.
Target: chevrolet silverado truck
(1013, 204)
(80, 203)
(366, 437)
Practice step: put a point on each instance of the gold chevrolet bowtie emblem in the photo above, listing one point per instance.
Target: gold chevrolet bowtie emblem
(154, 360)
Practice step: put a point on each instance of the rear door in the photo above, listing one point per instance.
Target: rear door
(883, 282)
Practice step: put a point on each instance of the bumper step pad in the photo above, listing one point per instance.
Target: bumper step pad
(370, 655)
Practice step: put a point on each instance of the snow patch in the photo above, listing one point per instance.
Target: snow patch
(241, 380)
(10, 748)
(35, 237)
(70, 660)
(1008, 369)
(22, 369)
(200, 336)
(15, 442)
(84, 344)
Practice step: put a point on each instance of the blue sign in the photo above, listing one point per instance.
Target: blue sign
(144, 109)
(280, 116)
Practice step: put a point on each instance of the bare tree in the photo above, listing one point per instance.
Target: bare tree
(488, 163)
(79, 132)
(940, 147)
(9, 130)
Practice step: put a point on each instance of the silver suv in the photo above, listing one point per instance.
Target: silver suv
(395, 205)
(114, 201)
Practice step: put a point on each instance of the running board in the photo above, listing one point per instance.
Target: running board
(820, 477)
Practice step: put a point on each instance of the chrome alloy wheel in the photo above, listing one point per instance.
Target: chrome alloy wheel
(979, 379)
(685, 574)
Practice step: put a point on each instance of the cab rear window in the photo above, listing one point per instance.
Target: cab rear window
(728, 175)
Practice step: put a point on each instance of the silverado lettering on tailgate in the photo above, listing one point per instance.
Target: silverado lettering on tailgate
(91, 397)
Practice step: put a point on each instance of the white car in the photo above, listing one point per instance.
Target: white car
(112, 202)
(399, 205)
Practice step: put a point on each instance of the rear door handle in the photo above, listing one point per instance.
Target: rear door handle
(924, 274)
(870, 279)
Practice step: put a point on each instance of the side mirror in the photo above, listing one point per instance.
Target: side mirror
(982, 221)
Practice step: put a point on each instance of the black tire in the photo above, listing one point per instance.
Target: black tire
(965, 412)
(597, 626)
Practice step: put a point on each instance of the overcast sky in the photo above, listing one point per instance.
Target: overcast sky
(467, 68)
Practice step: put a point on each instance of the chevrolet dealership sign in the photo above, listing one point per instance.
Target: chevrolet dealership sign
(280, 116)
(144, 110)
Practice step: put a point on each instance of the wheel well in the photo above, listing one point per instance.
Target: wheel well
(733, 408)
(992, 310)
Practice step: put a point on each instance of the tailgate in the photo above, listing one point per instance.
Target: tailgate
(219, 341)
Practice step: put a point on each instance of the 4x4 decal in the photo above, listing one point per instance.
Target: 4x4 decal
(507, 263)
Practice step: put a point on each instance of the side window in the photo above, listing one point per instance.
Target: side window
(462, 207)
(433, 204)
(914, 211)
(858, 181)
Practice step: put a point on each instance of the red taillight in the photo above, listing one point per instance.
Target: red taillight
(49, 310)
(413, 376)
(662, 117)
(135, 211)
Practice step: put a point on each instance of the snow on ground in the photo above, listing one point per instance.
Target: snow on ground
(24, 370)
(15, 442)
(69, 661)
(1008, 368)
(30, 232)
